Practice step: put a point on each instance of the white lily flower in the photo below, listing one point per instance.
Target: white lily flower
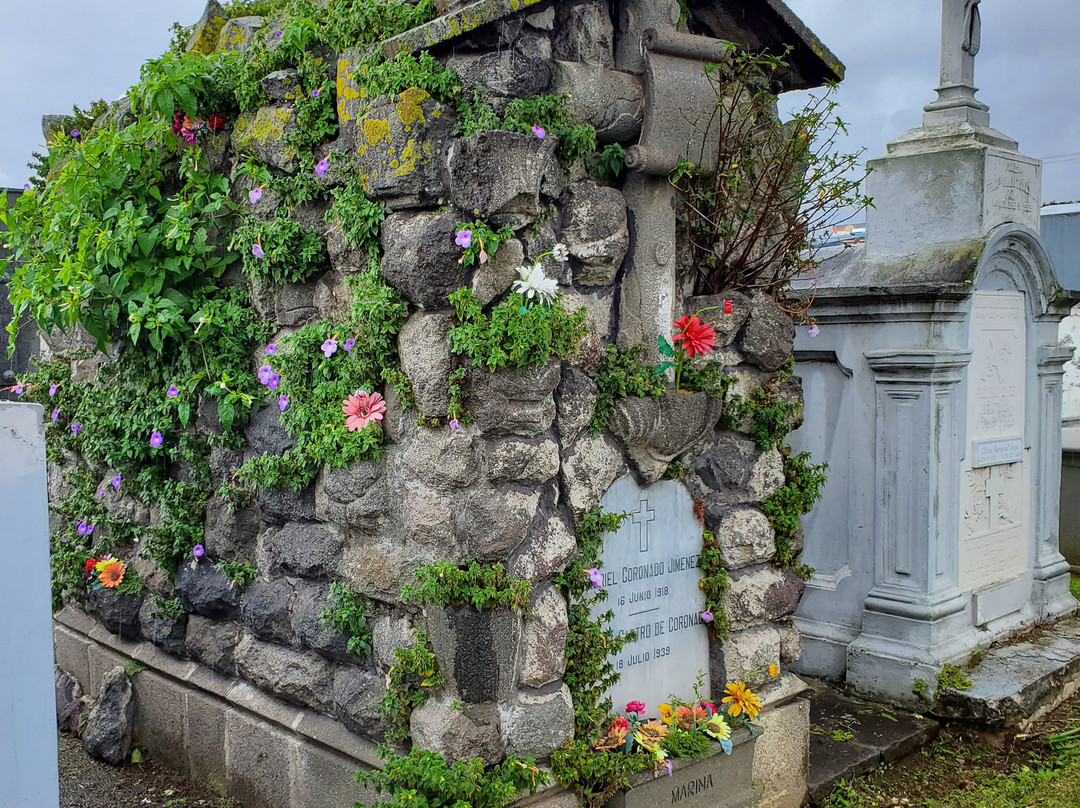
(534, 283)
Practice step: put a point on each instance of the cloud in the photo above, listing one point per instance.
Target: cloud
(58, 53)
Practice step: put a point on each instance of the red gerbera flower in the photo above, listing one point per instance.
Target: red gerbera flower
(697, 338)
(88, 567)
(216, 122)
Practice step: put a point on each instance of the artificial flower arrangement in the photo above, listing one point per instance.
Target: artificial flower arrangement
(104, 573)
(692, 340)
(684, 729)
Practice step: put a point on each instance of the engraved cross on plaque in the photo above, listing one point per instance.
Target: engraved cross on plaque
(642, 518)
(995, 492)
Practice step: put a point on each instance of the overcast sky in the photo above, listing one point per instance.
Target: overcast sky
(55, 53)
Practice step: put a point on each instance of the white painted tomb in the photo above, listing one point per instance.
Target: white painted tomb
(934, 393)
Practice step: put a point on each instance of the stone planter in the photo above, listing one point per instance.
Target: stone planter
(717, 781)
(477, 651)
(119, 611)
(656, 431)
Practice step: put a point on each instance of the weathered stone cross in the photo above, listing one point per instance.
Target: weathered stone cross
(642, 518)
(961, 36)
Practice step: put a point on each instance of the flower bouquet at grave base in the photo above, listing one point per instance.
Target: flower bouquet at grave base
(684, 729)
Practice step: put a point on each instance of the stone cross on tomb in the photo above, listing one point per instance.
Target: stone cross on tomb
(642, 518)
(996, 492)
(961, 38)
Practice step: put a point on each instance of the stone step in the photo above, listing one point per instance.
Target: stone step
(1018, 682)
(850, 737)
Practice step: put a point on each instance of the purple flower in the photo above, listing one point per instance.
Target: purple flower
(539, 132)
(277, 34)
(85, 529)
(707, 616)
(19, 390)
(26, 186)
(55, 415)
(349, 344)
(64, 537)
(52, 390)
(75, 430)
(455, 424)
(76, 133)
(464, 239)
(257, 251)
(314, 93)
(668, 762)
(173, 391)
(321, 166)
(596, 577)
(116, 482)
(271, 349)
(329, 348)
(266, 373)
(100, 493)
(273, 382)
(155, 440)
(483, 256)
(813, 331)
(198, 551)
(283, 402)
(254, 195)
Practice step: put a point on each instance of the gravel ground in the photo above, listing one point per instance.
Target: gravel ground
(86, 783)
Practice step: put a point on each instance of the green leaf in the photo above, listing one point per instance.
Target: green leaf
(665, 347)
(136, 755)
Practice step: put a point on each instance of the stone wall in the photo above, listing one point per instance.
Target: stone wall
(508, 488)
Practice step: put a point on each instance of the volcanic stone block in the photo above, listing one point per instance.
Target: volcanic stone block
(420, 259)
(477, 651)
(107, 736)
(119, 611)
(496, 176)
(510, 402)
(769, 335)
(305, 549)
(263, 133)
(544, 639)
(596, 231)
(458, 733)
(204, 590)
(301, 678)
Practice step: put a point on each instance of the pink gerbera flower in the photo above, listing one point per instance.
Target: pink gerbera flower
(362, 408)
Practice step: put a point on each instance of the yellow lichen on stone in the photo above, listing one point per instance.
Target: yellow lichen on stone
(267, 124)
(407, 164)
(376, 130)
(410, 108)
(205, 38)
(436, 113)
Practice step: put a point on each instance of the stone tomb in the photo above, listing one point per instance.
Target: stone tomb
(652, 578)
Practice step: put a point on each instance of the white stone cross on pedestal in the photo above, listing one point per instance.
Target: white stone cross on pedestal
(961, 38)
(642, 519)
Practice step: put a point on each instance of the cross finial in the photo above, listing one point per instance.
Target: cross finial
(961, 38)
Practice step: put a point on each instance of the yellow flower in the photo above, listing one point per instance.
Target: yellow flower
(650, 736)
(774, 670)
(739, 699)
(718, 728)
(667, 715)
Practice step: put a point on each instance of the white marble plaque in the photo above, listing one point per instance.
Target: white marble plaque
(996, 452)
(652, 578)
(1013, 191)
(994, 504)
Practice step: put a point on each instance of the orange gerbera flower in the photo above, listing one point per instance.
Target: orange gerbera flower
(112, 574)
(739, 700)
